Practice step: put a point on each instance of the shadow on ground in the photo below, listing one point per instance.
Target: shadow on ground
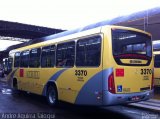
(66, 110)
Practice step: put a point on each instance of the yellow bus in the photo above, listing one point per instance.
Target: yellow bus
(95, 65)
(156, 53)
(156, 68)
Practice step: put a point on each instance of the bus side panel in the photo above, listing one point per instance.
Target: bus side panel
(91, 86)
(39, 78)
(21, 79)
(78, 89)
(82, 85)
(90, 93)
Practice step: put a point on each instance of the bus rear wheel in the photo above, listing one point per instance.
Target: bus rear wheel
(52, 97)
(15, 84)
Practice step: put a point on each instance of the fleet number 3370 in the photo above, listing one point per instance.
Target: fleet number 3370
(146, 71)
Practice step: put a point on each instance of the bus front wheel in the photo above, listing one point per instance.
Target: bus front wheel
(52, 97)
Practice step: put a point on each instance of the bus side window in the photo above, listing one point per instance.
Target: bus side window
(24, 58)
(88, 52)
(52, 55)
(45, 56)
(48, 56)
(65, 54)
(34, 60)
(17, 59)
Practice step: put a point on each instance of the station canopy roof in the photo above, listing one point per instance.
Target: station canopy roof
(25, 31)
(147, 20)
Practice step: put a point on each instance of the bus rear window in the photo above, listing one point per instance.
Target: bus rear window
(128, 44)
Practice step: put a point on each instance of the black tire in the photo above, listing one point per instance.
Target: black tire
(15, 87)
(15, 84)
(52, 96)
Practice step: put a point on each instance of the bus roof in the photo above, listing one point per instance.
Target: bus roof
(65, 33)
(60, 37)
(78, 30)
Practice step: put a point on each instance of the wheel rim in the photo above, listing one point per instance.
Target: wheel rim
(52, 96)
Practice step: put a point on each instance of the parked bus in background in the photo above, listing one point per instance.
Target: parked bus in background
(1, 71)
(7, 65)
(156, 52)
(94, 65)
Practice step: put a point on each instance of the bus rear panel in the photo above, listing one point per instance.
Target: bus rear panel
(130, 79)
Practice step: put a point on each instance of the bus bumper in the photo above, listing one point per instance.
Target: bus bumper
(114, 99)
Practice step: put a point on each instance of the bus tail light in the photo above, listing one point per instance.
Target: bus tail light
(111, 84)
(152, 83)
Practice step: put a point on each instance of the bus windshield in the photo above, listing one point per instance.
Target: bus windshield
(128, 44)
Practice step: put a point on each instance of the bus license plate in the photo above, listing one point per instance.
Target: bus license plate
(135, 98)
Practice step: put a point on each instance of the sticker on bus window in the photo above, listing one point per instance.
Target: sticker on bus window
(119, 72)
(21, 72)
(119, 88)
